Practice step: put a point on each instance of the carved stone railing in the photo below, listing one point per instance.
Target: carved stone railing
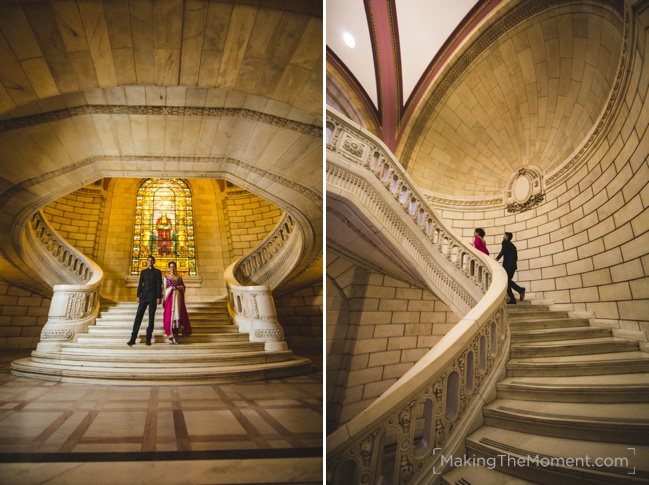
(250, 281)
(274, 258)
(252, 309)
(360, 167)
(75, 280)
(410, 431)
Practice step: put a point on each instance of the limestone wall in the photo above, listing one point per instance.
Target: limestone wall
(77, 217)
(300, 313)
(377, 328)
(586, 247)
(22, 316)
(248, 220)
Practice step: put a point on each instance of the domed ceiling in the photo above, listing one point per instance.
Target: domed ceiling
(515, 85)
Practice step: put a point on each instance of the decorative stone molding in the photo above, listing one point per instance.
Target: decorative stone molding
(252, 309)
(274, 258)
(184, 111)
(524, 190)
(217, 170)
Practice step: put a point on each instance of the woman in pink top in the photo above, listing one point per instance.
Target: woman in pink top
(478, 241)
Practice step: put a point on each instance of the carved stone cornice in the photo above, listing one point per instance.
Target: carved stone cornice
(162, 160)
(183, 111)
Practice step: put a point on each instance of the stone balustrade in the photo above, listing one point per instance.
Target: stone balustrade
(75, 280)
(250, 303)
(405, 435)
(274, 258)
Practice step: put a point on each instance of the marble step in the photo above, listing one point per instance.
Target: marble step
(189, 304)
(175, 358)
(541, 323)
(616, 422)
(559, 461)
(161, 346)
(480, 475)
(572, 347)
(130, 317)
(158, 375)
(617, 388)
(158, 338)
(558, 334)
(121, 329)
(570, 365)
(535, 315)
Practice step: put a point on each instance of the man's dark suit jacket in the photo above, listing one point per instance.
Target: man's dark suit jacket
(510, 254)
(150, 285)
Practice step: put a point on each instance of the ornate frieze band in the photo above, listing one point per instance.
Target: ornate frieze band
(26, 184)
(184, 111)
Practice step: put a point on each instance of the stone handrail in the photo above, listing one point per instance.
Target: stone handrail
(52, 256)
(74, 278)
(274, 258)
(251, 278)
(410, 431)
(252, 309)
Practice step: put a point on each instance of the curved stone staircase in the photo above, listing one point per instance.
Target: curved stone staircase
(571, 391)
(215, 353)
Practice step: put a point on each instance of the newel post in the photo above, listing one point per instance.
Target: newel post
(72, 310)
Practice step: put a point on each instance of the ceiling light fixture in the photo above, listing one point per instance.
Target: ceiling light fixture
(349, 40)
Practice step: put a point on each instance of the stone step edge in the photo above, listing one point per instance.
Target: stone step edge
(553, 473)
(480, 475)
(575, 421)
(152, 373)
(167, 361)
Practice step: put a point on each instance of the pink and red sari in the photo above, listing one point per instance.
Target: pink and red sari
(174, 308)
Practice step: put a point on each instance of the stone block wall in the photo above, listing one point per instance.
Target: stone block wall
(77, 217)
(249, 219)
(22, 316)
(378, 327)
(300, 313)
(586, 246)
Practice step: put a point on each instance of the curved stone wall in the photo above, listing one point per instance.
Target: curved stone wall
(586, 246)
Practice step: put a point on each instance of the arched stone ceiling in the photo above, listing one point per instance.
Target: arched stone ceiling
(532, 97)
(519, 83)
(194, 89)
(55, 47)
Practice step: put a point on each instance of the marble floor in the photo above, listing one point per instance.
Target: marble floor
(255, 432)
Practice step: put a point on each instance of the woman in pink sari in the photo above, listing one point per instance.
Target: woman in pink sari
(175, 316)
(479, 242)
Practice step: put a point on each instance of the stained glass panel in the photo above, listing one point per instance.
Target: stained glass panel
(164, 226)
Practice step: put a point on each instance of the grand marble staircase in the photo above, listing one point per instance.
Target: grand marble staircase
(571, 391)
(216, 352)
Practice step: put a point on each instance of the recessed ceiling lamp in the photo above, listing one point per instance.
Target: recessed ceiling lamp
(349, 40)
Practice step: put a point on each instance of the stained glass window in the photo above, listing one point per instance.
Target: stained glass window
(164, 226)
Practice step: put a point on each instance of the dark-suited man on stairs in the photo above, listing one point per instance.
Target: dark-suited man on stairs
(149, 294)
(510, 258)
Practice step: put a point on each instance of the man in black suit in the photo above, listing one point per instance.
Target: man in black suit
(149, 294)
(510, 258)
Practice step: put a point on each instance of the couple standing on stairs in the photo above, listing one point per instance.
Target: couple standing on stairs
(510, 258)
(149, 294)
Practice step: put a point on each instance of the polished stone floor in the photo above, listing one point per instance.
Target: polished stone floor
(255, 432)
